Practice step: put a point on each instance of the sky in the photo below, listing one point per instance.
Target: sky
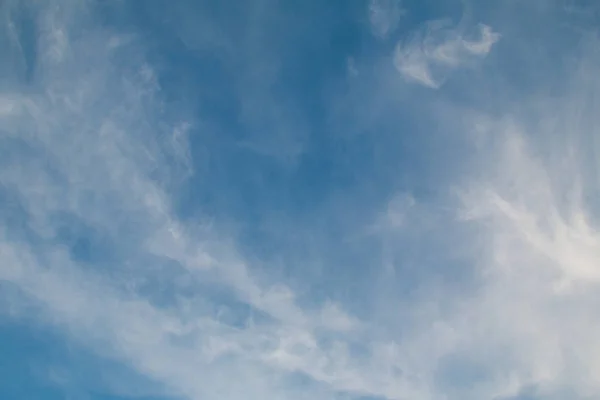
(276, 199)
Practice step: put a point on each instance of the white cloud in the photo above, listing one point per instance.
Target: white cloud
(539, 263)
(431, 55)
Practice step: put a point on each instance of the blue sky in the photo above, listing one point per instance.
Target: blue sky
(357, 200)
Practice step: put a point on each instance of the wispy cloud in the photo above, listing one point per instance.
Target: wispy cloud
(384, 16)
(95, 156)
(434, 52)
(98, 146)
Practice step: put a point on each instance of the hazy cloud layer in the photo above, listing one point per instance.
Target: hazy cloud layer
(224, 212)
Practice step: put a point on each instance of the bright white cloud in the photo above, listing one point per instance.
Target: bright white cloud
(541, 243)
(431, 55)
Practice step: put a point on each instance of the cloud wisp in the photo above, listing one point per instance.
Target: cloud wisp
(433, 53)
(384, 16)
